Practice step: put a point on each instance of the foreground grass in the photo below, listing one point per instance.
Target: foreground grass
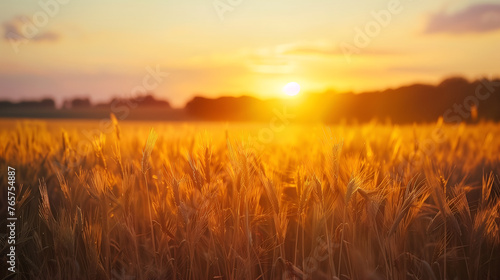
(359, 202)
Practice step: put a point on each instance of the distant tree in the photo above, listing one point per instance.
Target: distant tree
(6, 104)
(48, 103)
(454, 99)
(142, 101)
(229, 108)
(454, 82)
(80, 103)
(44, 103)
(150, 101)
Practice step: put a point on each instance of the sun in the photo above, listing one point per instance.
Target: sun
(291, 89)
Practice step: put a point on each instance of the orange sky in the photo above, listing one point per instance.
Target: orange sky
(233, 47)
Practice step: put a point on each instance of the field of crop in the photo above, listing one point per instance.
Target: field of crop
(242, 201)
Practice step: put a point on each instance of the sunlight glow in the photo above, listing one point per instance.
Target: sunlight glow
(291, 89)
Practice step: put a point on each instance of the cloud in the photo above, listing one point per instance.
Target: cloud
(414, 69)
(20, 28)
(273, 64)
(312, 51)
(331, 51)
(474, 19)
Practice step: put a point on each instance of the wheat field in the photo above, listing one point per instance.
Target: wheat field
(154, 200)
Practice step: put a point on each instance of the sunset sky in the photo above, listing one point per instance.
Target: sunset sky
(101, 49)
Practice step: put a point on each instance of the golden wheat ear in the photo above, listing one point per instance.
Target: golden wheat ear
(116, 127)
(147, 150)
